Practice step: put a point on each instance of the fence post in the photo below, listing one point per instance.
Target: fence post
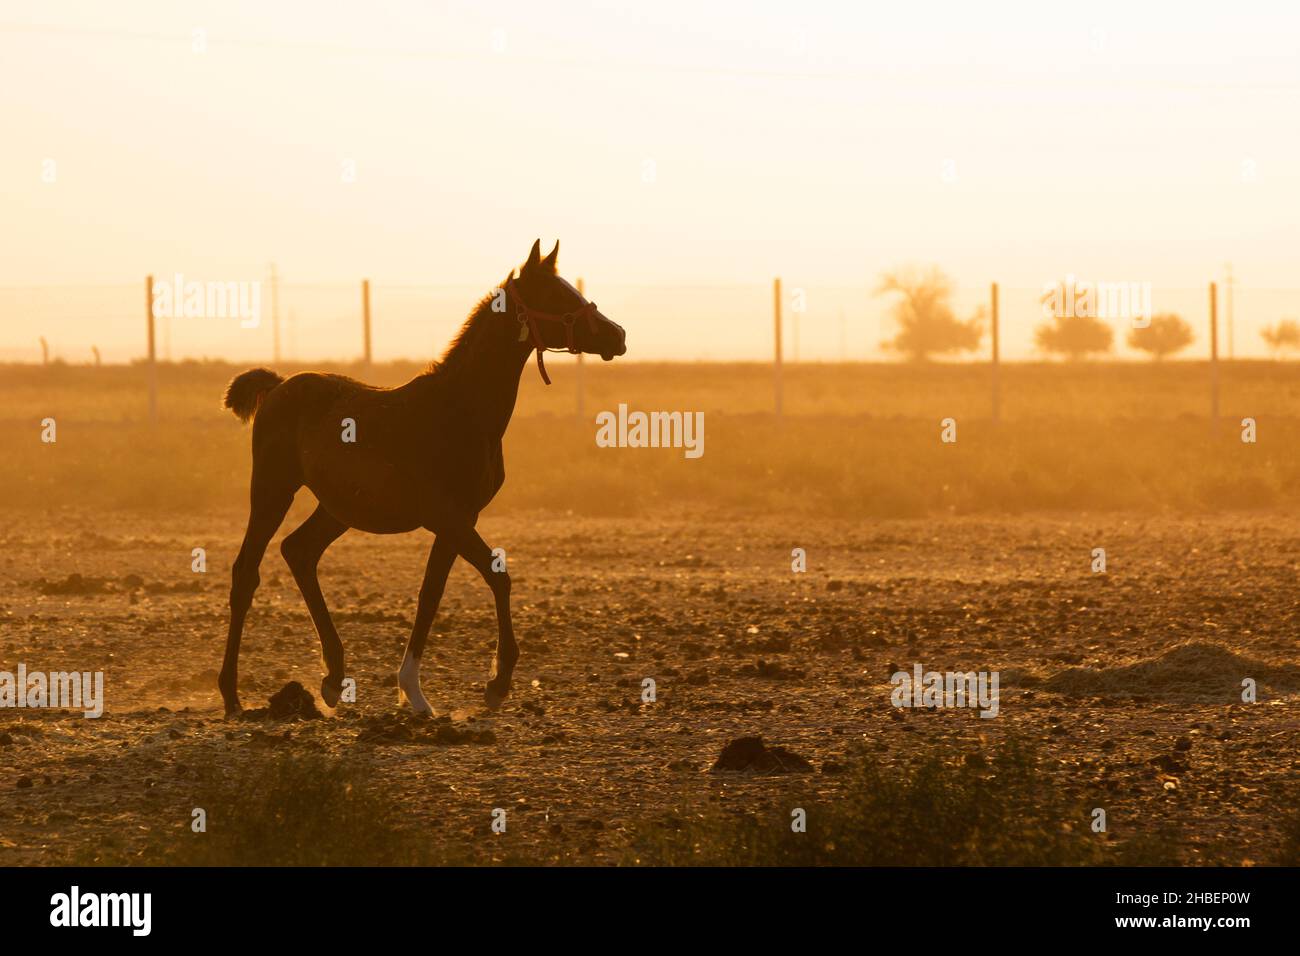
(1214, 355)
(776, 308)
(152, 371)
(997, 385)
(582, 291)
(365, 319)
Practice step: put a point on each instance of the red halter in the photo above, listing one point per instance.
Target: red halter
(529, 317)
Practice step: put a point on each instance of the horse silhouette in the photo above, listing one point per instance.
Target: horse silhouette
(426, 454)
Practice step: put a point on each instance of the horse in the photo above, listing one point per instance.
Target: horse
(426, 454)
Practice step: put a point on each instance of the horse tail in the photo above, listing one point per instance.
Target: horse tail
(246, 391)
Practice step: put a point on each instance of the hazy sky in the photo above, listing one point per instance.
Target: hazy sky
(669, 145)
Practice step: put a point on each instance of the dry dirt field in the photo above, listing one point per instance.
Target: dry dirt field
(636, 564)
(1127, 682)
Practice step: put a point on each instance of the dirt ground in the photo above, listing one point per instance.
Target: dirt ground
(1129, 680)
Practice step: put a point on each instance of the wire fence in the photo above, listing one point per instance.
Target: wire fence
(686, 322)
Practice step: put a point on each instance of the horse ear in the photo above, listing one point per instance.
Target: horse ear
(534, 257)
(549, 261)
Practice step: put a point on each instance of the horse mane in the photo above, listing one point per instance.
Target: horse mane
(469, 340)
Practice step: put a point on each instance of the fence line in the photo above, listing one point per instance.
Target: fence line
(695, 321)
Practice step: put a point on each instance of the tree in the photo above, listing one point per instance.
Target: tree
(1069, 332)
(1166, 334)
(1282, 337)
(926, 324)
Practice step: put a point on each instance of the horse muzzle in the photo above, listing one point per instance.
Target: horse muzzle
(607, 354)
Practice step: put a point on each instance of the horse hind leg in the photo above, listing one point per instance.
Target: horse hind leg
(269, 506)
(302, 550)
(441, 557)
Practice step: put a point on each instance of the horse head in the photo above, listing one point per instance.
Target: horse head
(554, 315)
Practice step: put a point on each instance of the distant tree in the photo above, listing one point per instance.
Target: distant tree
(1074, 336)
(1282, 337)
(1069, 333)
(926, 323)
(1166, 334)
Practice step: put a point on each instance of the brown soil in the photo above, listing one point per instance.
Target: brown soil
(1129, 681)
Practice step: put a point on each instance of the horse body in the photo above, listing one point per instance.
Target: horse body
(426, 454)
(409, 450)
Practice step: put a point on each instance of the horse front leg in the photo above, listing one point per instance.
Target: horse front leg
(302, 551)
(441, 557)
(471, 546)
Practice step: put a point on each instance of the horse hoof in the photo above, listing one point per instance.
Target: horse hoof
(233, 711)
(419, 706)
(330, 693)
(494, 697)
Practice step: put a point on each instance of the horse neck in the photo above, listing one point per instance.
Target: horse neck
(483, 368)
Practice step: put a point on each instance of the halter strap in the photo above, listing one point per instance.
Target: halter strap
(529, 318)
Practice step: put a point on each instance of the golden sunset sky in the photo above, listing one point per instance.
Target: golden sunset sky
(683, 153)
